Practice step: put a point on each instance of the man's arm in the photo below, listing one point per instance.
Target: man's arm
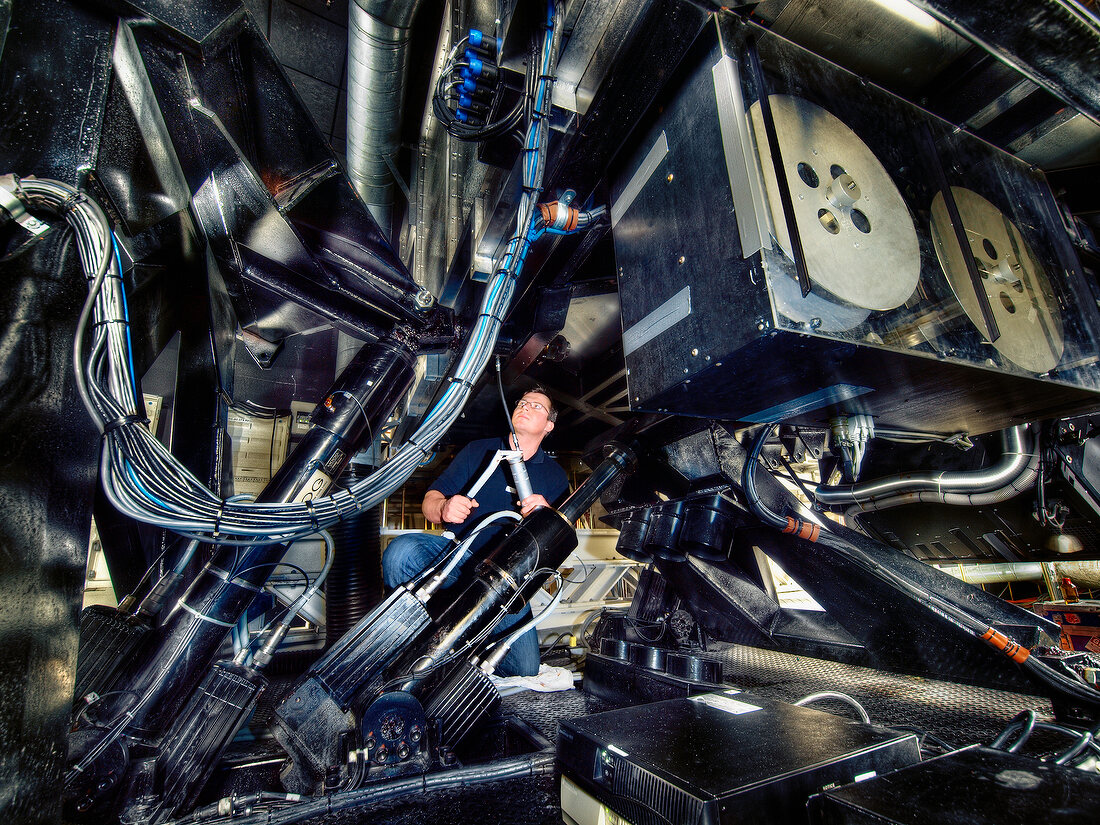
(432, 506)
(440, 509)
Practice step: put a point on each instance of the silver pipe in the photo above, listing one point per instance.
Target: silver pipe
(994, 573)
(1017, 457)
(378, 60)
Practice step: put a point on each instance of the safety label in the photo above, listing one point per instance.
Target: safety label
(717, 700)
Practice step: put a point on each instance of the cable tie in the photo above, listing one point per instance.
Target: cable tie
(468, 384)
(417, 446)
(202, 616)
(122, 321)
(70, 203)
(218, 518)
(312, 515)
(123, 421)
(224, 575)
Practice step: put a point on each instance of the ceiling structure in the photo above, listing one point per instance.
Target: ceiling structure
(451, 211)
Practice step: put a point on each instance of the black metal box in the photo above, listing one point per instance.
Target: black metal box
(722, 757)
(976, 786)
(900, 267)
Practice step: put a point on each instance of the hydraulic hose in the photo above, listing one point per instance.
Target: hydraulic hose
(847, 541)
(840, 697)
(144, 481)
(533, 764)
(1016, 471)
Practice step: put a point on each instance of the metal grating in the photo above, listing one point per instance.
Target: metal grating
(958, 714)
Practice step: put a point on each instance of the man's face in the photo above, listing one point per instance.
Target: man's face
(531, 416)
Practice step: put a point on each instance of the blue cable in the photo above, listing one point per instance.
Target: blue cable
(140, 403)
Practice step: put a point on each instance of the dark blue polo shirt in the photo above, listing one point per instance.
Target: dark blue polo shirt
(498, 493)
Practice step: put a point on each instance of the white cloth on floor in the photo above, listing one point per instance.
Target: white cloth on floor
(549, 679)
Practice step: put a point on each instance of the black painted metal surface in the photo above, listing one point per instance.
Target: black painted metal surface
(730, 352)
(47, 443)
(1053, 42)
(727, 757)
(978, 786)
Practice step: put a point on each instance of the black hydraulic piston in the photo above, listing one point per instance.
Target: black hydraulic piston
(187, 644)
(510, 574)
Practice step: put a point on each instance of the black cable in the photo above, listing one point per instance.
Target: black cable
(748, 480)
(494, 129)
(801, 485)
(923, 735)
(238, 573)
(850, 543)
(532, 764)
(1023, 721)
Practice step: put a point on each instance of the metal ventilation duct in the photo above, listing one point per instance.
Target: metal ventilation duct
(378, 57)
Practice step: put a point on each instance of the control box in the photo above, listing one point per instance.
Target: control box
(719, 758)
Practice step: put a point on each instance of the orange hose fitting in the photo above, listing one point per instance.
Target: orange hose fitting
(803, 529)
(1001, 642)
(550, 213)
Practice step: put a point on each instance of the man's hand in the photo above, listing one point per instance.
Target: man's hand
(457, 509)
(528, 505)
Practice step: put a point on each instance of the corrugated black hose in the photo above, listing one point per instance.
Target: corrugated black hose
(354, 585)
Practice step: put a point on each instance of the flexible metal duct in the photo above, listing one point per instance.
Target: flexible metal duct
(378, 58)
(1013, 473)
(1083, 573)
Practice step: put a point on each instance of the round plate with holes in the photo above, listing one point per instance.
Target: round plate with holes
(857, 234)
(1015, 284)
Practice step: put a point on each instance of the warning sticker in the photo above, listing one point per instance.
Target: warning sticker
(721, 702)
(314, 487)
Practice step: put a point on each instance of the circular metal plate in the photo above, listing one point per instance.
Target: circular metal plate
(857, 235)
(1015, 283)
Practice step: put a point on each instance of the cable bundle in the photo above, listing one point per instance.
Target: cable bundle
(145, 481)
(469, 88)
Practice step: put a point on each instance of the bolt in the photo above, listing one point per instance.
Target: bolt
(694, 351)
(1069, 459)
(682, 259)
(424, 299)
(669, 178)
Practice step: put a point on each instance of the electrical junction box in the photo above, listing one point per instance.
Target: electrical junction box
(716, 758)
(975, 786)
(898, 267)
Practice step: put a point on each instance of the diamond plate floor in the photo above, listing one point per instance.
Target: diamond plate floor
(957, 714)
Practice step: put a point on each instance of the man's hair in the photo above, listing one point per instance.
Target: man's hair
(551, 413)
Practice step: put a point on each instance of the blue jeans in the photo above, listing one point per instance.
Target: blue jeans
(410, 554)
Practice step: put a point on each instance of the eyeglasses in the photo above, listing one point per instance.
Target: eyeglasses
(534, 405)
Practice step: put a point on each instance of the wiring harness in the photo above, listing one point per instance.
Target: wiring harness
(469, 88)
(143, 480)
